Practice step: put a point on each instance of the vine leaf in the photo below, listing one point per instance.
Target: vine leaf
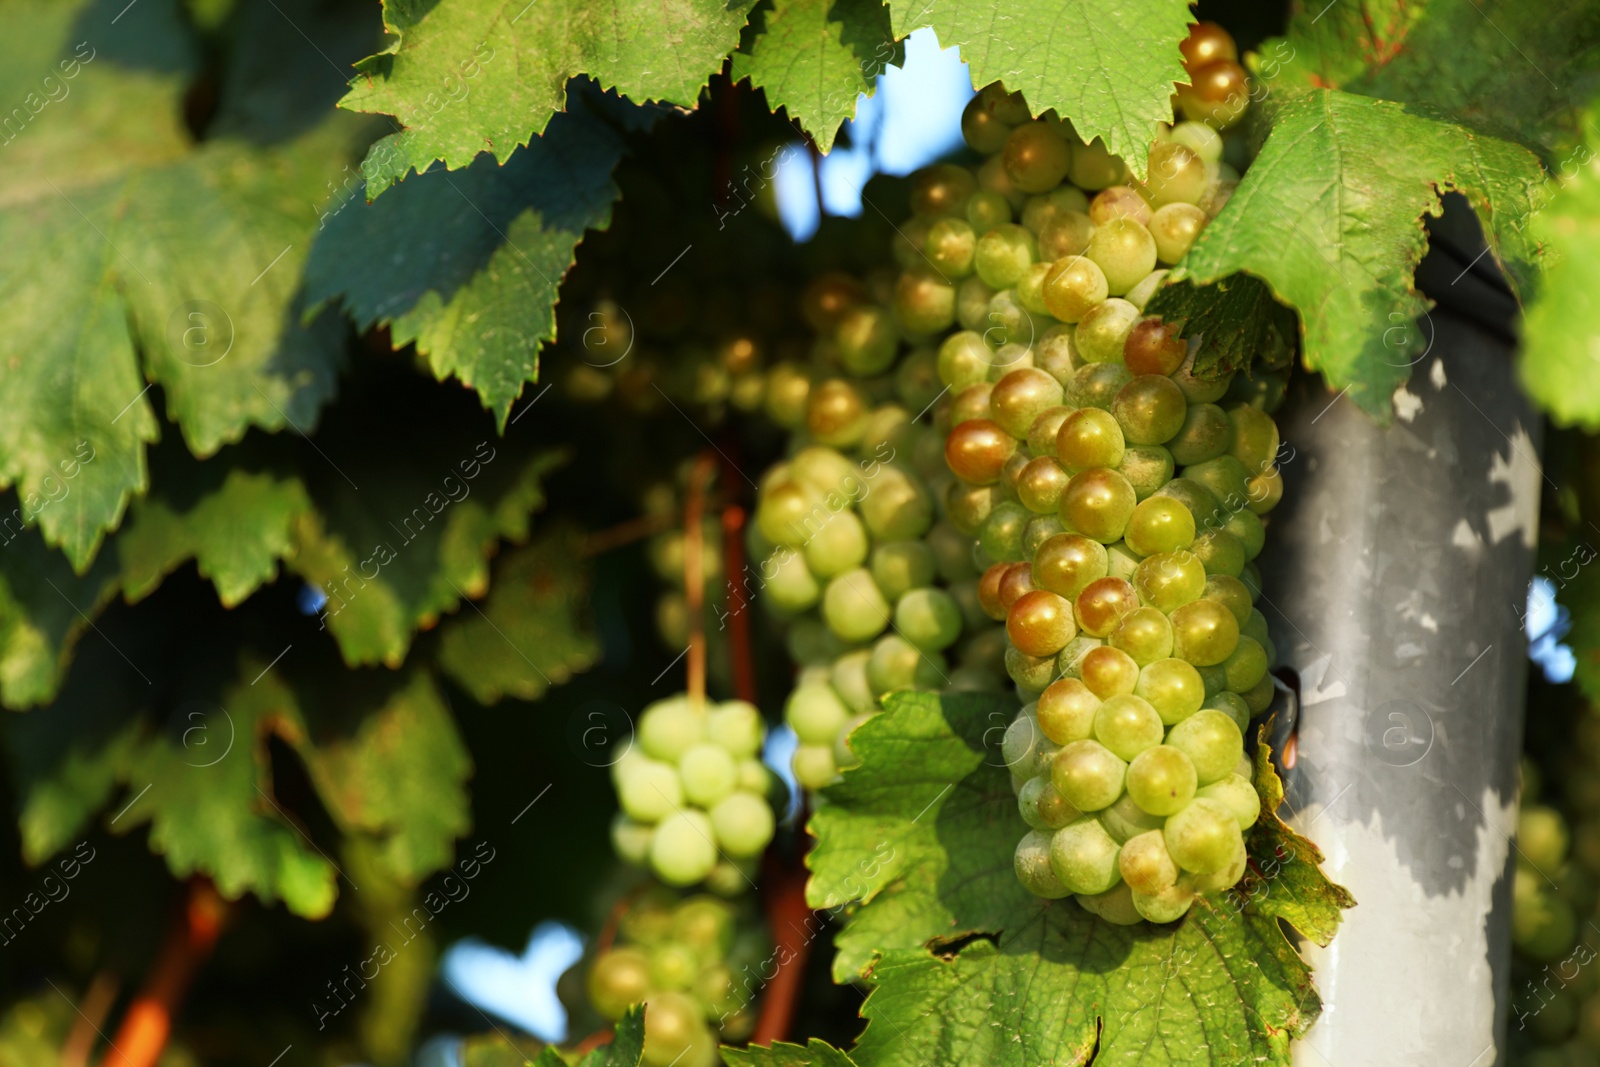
(527, 635)
(1237, 319)
(814, 58)
(471, 76)
(467, 266)
(922, 836)
(814, 1053)
(1109, 69)
(44, 609)
(1330, 217)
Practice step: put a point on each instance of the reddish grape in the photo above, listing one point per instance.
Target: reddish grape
(977, 451)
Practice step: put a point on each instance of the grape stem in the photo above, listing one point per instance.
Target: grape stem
(190, 939)
(694, 577)
(93, 1008)
(744, 665)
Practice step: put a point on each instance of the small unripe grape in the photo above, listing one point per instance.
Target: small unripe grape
(972, 303)
(1177, 175)
(1124, 251)
(901, 566)
(1199, 390)
(1032, 864)
(1003, 254)
(1084, 857)
(618, 980)
(1074, 286)
(950, 247)
(977, 450)
(824, 469)
(1173, 687)
(836, 413)
(1174, 227)
(743, 824)
(989, 591)
(1197, 498)
(1204, 632)
(1094, 167)
(1167, 906)
(1015, 581)
(1147, 468)
(1039, 530)
(909, 239)
(924, 303)
(1127, 725)
(1260, 698)
(1031, 673)
(1169, 580)
(631, 840)
(682, 851)
(1088, 774)
(1119, 202)
(1542, 836)
(1247, 527)
(1102, 604)
(1043, 209)
(1121, 561)
(1040, 485)
(1145, 863)
(1019, 743)
(1203, 837)
(1246, 666)
(1145, 634)
(1103, 331)
(967, 506)
(1115, 905)
(986, 209)
(1265, 490)
(784, 511)
(963, 359)
(941, 189)
(1236, 794)
(1001, 533)
(1036, 157)
(971, 402)
(1212, 742)
(1217, 95)
(1046, 428)
(1097, 384)
(1089, 438)
(1207, 41)
(676, 1033)
(1125, 820)
(928, 618)
(1066, 710)
(815, 713)
(1066, 564)
(1206, 433)
(1020, 396)
(708, 774)
(1232, 705)
(1159, 524)
(1162, 780)
(828, 297)
(1008, 323)
(1043, 807)
(854, 608)
(896, 506)
(1098, 504)
(1065, 235)
(839, 545)
(1109, 672)
(649, 790)
(867, 338)
(814, 767)
(1255, 437)
(1141, 293)
(1040, 623)
(1030, 288)
(896, 663)
(1154, 347)
(1150, 409)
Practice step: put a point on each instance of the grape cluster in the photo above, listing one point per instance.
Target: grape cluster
(682, 959)
(695, 794)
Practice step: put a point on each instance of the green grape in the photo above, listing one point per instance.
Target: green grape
(1225, 878)
(1204, 837)
(836, 413)
(1089, 438)
(1141, 293)
(839, 545)
(1145, 863)
(1174, 228)
(1008, 323)
(1173, 687)
(1265, 490)
(681, 851)
(1001, 533)
(1041, 210)
(631, 840)
(1098, 504)
(971, 403)
(1065, 235)
(1040, 623)
(673, 966)
(1040, 529)
(1046, 428)
(1542, 836)
(824, 469)
(669, 728)
(1085, 857)
(1094, 167)
(714, 987)
(1074, 285)
(854, 608)
(1017, 746)
(1197, 498)
(987, 119)
(1206, 433)
(1036, 158)
(1260, 698)
(951, 245)
(941, 189)
(1199, 390)
(1127, 725)
(1066, 710)
(964, 359)
(867, 340)
(1118, 202)
(618, 980)
(1159, 524)
(754, 777)
(814, 767)
(1230, 704)
(1125, 253)
(951, 552)
(928, 618)
(1220, 553)
(916, 380)
(1543, 924)
(1226, 477)
(1168, 580)
(972, 303)
(1088, 774)
(1199, 138)
(1115, 905)
(1169, 905)
(1066, 563)
(1096, 385)
(809, 642)
(676, 1034)
(815, 713)
(1162, 781)
(1251, 577)
(1150, 409)
(1204, 632)
(1108, 672)
(1040, 483)
(1212, 742)
(1147, 468)
(1246, 665)
(1030, 289)
(788, 583)
(901, 566)
(1236, 794)
(909, 239)
(1121, 561)
(788, 389)
(1177, 175)
(1144, 634)
(924, 304)
(708, 774)
(1020, 396)
(1103, 331)
(1042, 807)
(967, 506)
(1044, 758)
(985, 211)
(1255, 437)
(1032, 864)
(1102, 604)
(1125, 820)
(743, 824)
(1003, 254)
(896, 506)
(784, 509)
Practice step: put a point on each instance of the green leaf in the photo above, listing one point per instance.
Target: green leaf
(1521, 67)
(44, 609)
(626, 1046)
(467, 265)
(471, 76)
(922, 834)
(1237, 320)
(531, 632)
(1109, 69)
(1330, 216)
(814, 1053)
(1560, 335)
(814, 58)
